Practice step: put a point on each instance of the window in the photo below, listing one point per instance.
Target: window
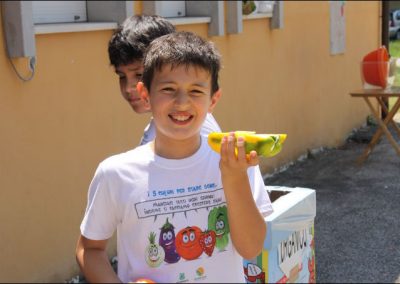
(45, 12)
(171, 9)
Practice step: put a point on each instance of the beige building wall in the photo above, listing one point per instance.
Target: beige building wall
(56, 128)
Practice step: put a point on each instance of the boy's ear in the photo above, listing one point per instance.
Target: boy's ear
(214, 100)
(143, 92)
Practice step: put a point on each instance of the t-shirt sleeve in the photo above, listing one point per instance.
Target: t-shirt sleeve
(100, 219)
(259, 191)
(149, 133)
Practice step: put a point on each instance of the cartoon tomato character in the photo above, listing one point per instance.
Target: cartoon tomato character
(167, 241)
(154, 253)
(188, 243)
(207, 242)
(218, 222)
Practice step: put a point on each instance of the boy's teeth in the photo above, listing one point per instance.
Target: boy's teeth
(180, 117)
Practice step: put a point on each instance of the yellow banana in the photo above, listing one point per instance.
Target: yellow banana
(266, 145)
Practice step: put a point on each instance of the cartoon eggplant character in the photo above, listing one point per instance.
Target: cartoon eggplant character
(167, 241)
(154, 253)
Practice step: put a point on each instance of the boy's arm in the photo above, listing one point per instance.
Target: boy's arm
(247, 225)
(92, 258)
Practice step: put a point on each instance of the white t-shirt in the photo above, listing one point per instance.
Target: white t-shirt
(170, 216)
(209, 125)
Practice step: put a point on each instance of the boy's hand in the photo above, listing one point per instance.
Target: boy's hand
(241, 207)
(235, 161)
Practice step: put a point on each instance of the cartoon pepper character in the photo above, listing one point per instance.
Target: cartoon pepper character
(207, 241)
(188, 243)
(218, 222)
(154, 253)
(167, 241)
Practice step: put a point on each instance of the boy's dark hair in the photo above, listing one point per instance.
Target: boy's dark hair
(129, 42)
(182, 48)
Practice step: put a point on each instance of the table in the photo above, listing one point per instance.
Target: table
(379, 95)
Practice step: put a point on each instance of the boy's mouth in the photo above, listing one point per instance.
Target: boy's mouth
(181, 118)
(133, 99)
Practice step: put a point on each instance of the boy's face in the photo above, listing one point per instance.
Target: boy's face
(129, 75)
(180, 99)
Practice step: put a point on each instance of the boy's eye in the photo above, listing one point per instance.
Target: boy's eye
(196, 92)
(139, 76)
(168, 90)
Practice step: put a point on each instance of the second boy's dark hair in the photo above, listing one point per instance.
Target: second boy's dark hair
(182, 48)
(129, 42)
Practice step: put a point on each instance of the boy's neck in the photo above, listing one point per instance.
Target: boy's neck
(176, 149)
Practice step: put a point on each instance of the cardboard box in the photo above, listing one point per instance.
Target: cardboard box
(288, 255)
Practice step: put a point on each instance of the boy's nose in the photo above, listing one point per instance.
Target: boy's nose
(181, 98)
(130, 88)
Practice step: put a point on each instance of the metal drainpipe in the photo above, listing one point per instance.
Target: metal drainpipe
(385, 39)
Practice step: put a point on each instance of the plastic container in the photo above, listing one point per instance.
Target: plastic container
(381, 75)
(378, 70)
(288, 255)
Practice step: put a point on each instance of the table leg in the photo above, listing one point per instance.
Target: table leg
(386, 111)
(381, 129)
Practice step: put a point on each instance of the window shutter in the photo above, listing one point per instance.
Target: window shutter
(166, 9)
(45, 12)
(170, 9)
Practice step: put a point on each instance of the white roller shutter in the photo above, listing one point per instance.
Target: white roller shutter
(59, 12)
(171, 9)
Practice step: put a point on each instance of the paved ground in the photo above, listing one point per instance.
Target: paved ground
(357, 226)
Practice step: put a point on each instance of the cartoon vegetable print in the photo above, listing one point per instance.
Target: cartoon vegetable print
(188, 243)
(218, 222)
(167, 241)
(207, 242)
(267, 145)
(154, 253)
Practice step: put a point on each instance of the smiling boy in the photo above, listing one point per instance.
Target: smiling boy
(183, 213)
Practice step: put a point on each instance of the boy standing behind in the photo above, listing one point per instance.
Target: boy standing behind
(182, 212)
(126, 49)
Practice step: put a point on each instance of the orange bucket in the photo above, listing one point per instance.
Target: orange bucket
(375, 67)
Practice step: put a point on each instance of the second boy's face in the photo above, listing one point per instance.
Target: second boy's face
(129, 75)
(180, 99)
